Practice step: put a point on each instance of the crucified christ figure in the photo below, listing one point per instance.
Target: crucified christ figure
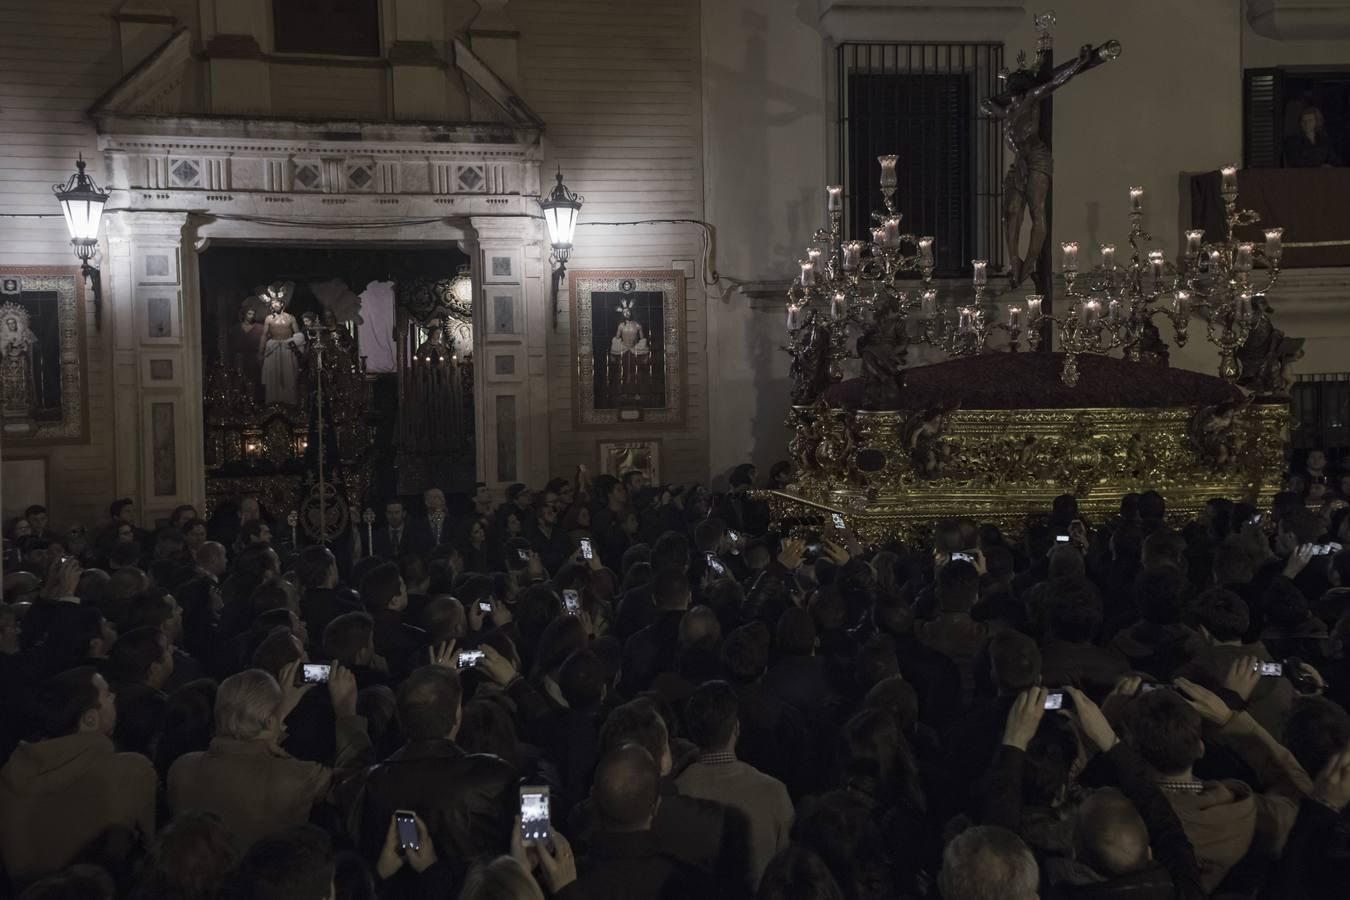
(1027, 184)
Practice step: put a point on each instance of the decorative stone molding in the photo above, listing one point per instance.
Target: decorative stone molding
(1292, 20)
(919, 20)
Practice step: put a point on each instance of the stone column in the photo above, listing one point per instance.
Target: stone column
(154, 313)
(511, 319)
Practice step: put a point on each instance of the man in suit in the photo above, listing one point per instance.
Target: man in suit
(434, 528)
(395, 537)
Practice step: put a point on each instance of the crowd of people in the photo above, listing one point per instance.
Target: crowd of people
(681, 700)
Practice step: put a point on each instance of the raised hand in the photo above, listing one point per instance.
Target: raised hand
(1243, 676)
(1025, 717)
(1205, 702)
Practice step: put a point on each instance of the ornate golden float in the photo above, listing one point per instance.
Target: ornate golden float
(998, 437)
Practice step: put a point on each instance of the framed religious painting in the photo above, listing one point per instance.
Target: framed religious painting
(45, 396)
(618, 458)
(628, 334)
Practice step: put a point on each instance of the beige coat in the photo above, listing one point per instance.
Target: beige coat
(59, 795)
(257, 788)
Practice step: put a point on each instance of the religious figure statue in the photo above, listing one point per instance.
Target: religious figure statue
(810, 369)
(882, 351)
(18, 362)
(246, 341)
(1214, 431)
(627, 350)
(436, 395)
(923, 435)
(1266, 358)
(279, 354)
(1026, 187)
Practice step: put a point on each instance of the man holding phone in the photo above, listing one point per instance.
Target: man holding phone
(467, 802)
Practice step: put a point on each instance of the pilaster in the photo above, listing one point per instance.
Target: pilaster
(511, 321)
(157, 416)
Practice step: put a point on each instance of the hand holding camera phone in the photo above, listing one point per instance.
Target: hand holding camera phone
(838, 520)
(485, 607)
(312, 673)
(1054, 700)
(469, 658)
(405, 823)
(572, 601)
(1270, 669)
(714, 563)
(534, 818)
(586, 552)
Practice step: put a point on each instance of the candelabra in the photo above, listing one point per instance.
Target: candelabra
(868, 286)
(1113, 306)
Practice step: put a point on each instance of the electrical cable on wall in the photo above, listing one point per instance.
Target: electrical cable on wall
(709, 274)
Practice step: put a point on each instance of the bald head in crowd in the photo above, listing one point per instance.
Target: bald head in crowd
(627, 789)
(1109, 834)
(211, 558)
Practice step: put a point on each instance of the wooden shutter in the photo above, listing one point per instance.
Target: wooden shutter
(1262, 118)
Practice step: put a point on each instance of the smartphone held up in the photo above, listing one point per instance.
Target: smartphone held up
(534, 817)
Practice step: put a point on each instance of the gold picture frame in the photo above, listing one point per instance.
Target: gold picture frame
(52, 374)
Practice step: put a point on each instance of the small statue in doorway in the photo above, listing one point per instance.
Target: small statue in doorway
(810, 368)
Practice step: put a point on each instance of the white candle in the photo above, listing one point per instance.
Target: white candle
(928, 304)
(1181, 305)
(1243, 261)
(878, 238)
(981, 269)
(892, 231)
(792, 316)
(1136, 199)
(1194, 238)
(1245, 310)
(1156, 265)
(1069, 249)
(967, 320)
(834, 198)
(1108, 257)
(1091, 313)
(926, 251)
(1015, 318)
(808, 272)
(838, 305)
(1034, 306)
(1228, 182)
(1113, 311)
(1215, 261)
(887, 171)
(852, 251)
(813, 254)
(1274, 245)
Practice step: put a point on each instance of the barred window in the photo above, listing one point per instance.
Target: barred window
(1320, 408)
(921, 102)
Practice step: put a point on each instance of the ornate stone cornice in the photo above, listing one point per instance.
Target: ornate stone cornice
(1286, 20)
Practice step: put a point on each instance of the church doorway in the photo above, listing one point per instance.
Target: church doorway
(384, 331)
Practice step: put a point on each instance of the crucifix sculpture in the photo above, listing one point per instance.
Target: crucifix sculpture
(1025, 108)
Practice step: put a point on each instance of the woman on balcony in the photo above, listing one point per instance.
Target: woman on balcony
(1311, 147)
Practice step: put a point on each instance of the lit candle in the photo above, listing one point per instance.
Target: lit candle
(981, 268)
(1136, 199)
(887, 171)
(813, 254)
(892, 224)
(1034, 306)
(1274, 245)
(1228, 182)
(1245, 310)
(1242, 262)
(1015, 318)
(967, 320)
(1091, 313)
(1113, 311)
(1194, 238)
(808, 272)
(838, 305)
(926, 251)
(1215, 261)
(878, 238)
(1109, 257)
(928, 304)
(793, 312)
(852, 251)
(1156, 264)
(1181, 305)
(1070, 255)
(834, 198)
